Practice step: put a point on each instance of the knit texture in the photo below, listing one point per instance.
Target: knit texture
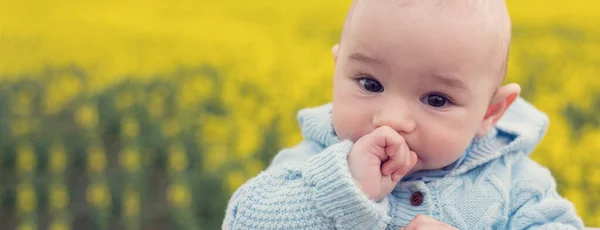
(497, 186)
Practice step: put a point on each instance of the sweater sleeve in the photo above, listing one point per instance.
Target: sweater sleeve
(316, 194)
(535, 202)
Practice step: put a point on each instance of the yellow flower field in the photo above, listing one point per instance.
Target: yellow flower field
(149, 114)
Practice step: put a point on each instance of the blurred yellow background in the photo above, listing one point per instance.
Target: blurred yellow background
(149, 114)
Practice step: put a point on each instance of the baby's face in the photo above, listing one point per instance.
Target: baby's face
(426, 72)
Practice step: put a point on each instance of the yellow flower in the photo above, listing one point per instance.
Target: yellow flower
(59, 225)
(20, 127)
(22, 103)
(27, 226)
(96, 159)
(253, 167)
(248, 139)
(215, 129)
(595, 218)
(59, 198)
(52, 102)
(177, 159)
(188, 95)
(215, 156)
(131, 206)
(235, 179)
(58, 158)
(203, 85)
(98, 195)
(572, 173)
(171, 128)
(124, 101)
(590, 143)
(60, 91)
(87, 116)
(139, 94)
(179, 195)
(156, 105)
(230, 92)
(26, 198)
(292, 136)
(594, 179)
(26, 158)
(264, 116)
(574, 195)
(130, 126)
(194, 89)
(129, 159)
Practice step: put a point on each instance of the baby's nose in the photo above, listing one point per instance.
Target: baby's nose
(399, 119)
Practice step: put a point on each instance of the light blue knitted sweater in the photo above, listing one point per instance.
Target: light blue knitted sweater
(497, 186)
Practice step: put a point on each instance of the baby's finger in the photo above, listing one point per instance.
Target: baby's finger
(427, 222)
(421, 221)
(384, 142)
(400, 164)
(396, 161)
(400, 173)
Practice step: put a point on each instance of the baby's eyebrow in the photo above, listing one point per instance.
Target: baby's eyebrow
(360, 57)
(451, 81)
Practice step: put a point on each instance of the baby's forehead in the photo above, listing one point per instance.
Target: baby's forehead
(467, 5)
(484, 17)
(482, 25)
(484, 10)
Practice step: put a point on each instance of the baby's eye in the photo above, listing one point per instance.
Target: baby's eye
(436, 100)
(371, 85)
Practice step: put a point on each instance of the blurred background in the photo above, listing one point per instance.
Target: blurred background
(149, 114)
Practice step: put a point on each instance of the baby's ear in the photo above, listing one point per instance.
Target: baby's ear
(500, 102)
(334, 50)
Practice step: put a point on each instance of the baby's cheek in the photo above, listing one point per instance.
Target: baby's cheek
(444, 147)
(357, 120)
(348, 126)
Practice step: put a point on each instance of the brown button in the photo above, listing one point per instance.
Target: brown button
(416, 198)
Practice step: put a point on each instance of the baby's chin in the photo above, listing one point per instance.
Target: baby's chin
(421, 166)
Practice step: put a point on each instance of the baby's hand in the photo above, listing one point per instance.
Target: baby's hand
(426, 222)
(379, 160)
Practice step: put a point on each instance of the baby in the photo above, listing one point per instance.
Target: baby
(420, 133)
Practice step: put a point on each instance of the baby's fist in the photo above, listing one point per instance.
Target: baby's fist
(379, 160)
